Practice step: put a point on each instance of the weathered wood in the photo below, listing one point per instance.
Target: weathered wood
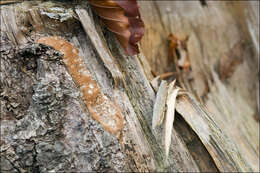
(88, 150)
(46, 126)
(159, 104)
(223, 48)
(100, 46)
(224, 153)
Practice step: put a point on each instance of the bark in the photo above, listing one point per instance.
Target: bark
(47, 124)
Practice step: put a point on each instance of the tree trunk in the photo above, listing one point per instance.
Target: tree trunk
(50, 120)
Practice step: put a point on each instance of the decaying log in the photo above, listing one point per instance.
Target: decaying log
(50, 121)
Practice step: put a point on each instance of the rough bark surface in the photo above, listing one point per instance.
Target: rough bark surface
(46, 125)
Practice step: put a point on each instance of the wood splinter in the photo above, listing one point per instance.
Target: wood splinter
(166, 97)
(169, 118)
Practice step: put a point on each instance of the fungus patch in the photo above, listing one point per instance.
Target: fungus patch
(101, 108)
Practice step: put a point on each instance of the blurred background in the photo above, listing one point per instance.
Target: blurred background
(212, 49)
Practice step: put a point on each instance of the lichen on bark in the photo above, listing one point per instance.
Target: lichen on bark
(54, 132)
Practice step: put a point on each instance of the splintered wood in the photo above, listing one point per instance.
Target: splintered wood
(159, 105)
(169, 118)
(166, 95)
(101, 108)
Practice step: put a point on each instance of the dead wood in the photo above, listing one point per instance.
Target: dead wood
(47, 121)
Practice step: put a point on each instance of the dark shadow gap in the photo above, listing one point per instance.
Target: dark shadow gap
(196, 148)
(203, 3)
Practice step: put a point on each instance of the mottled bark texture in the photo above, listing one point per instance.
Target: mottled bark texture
(48, 124)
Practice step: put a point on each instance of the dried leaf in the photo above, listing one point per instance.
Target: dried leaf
(172, 46)
(169, 118)
(159, 105)
(122, 18)
(178, 50)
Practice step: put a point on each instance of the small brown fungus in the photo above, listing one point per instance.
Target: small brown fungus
(101, 108)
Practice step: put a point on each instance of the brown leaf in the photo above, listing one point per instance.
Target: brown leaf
(179, 45)
(122, 18)
(172, 46)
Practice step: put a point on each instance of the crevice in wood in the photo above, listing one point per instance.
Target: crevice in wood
(203, 3)
(194, 145)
